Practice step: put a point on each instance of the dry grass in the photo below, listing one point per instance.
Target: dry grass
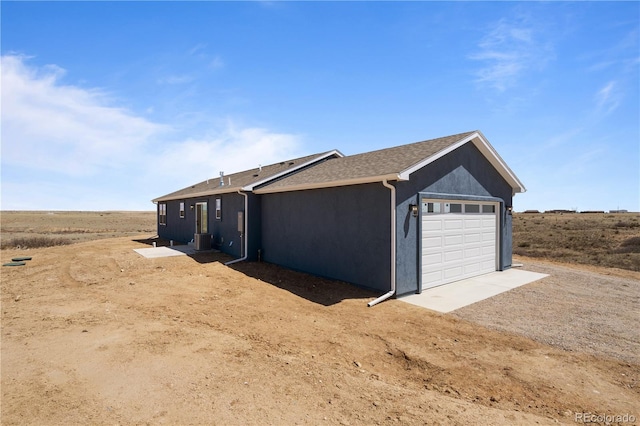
(609, 240)
(32, 229)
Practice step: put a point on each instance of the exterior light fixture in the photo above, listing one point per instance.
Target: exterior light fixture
(414, 209)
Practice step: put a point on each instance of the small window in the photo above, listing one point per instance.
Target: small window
(182, 210)
(162, 213)
(488, 208)
(219, 208)
(455, 208)
(472, 208)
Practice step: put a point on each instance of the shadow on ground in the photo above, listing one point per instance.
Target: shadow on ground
(315, 289)
(323, 291)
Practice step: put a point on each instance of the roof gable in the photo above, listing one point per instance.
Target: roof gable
(362, 168)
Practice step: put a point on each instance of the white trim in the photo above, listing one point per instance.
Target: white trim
(285, 172)
(345, 182)
(393, 246)
(246, 231)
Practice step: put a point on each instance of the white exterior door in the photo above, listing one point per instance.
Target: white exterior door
(459, 240)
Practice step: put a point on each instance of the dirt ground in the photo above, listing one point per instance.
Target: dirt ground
(93, 333)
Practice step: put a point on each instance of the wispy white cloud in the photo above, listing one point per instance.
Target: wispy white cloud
(608, 98)
(60, 138)
(510, 49)
(176, 79)
(63, 128)
(216, 63)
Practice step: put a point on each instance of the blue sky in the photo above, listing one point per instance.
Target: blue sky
(106, 105)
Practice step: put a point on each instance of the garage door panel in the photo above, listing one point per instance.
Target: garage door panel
(472, 224)
(472, 237)
(431, 259)
(432, 242)
(456, 246)
(453, 272)
(472, 252)
(453, 240)
(450, 224)
(431, 277)
(471, 268)
(453, 255)
(432, 225)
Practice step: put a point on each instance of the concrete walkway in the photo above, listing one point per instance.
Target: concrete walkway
(154, 252)
(449, 297)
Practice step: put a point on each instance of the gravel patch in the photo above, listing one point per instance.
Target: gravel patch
(573, 309)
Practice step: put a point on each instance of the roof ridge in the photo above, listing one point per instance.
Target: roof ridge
(460, 135)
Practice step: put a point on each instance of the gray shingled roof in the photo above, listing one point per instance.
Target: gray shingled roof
(241, 179)
(366, 166)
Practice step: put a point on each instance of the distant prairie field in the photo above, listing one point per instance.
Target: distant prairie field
(600, 239)
(31, 229)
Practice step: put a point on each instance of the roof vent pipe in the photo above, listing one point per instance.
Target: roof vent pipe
(221, 178)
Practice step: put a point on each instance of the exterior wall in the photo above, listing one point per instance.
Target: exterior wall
(463, 173)
(179, 229)
(225, 230)
(341, 233)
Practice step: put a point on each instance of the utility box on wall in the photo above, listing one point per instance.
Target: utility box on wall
(241, 222)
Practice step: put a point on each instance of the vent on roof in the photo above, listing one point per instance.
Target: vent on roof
(221, 178)
(256, 175)
(291, 163)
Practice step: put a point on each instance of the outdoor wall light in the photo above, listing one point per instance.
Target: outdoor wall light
(509, 210)
(191, 206)
(414, 209)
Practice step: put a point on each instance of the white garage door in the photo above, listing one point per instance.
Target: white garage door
(459, 240)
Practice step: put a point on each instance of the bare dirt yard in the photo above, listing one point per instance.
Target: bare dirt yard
(93, 333)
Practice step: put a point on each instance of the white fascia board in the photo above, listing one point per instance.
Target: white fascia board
(285, 172)
(345, 182)
(478, 139)
(494, 158)
(198, 194)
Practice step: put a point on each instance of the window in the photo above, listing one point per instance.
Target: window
(218, 208)
(162, 213)
(182, 210)
(488, 208)
(472, 208)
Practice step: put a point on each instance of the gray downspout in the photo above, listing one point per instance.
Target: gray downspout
(246, 229)
(393, 247)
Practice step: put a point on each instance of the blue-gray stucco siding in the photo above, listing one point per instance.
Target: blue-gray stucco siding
(224, 230)
(464, 173)
(341, 233)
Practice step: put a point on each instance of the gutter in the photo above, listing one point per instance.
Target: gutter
(246, 227)
(393, 247)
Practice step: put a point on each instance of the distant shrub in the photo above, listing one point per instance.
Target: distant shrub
(621, 224)
(630, 245)
(34, 242)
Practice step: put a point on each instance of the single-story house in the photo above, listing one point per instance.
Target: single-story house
(397, 220)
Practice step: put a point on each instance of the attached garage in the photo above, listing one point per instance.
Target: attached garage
(459, 240)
